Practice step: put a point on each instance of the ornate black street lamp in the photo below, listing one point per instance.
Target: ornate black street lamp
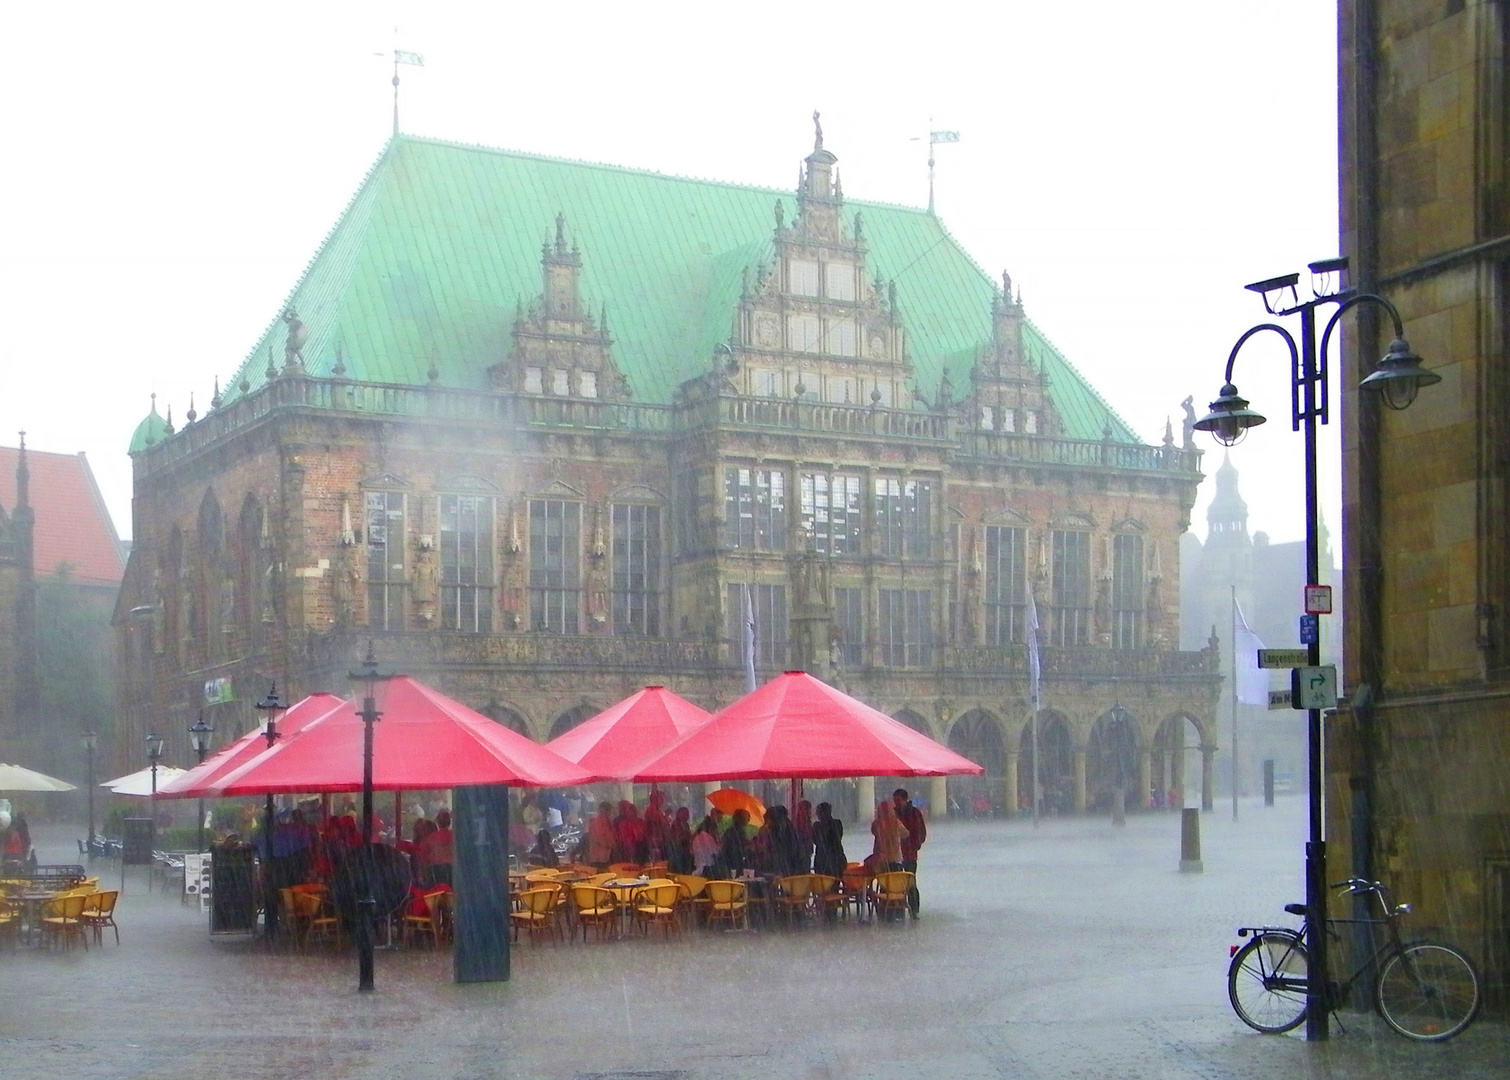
(88, 740)
(370, 676)
(154, 755)
(1398, 378)
(199, 738)
(271, 705)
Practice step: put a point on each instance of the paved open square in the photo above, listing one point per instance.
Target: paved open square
(1075, 949)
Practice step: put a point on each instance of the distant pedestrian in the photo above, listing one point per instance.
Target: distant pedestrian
(917, 834)
(601, 837)
(889, 834)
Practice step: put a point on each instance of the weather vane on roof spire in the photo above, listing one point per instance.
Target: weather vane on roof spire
(401, 56)
(817, 132)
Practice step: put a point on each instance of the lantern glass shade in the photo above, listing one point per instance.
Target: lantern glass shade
(199, 735)
(154, 746)
(1229, 418)
(1399, 376)
(89, 740)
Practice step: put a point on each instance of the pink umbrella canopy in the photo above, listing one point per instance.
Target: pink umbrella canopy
(198, 782)
(797, 727)
(424, 741)
(623, 736)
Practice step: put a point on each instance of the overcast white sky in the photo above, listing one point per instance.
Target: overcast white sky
(169, 169)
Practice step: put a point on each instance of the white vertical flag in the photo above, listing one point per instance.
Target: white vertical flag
(1035, 667)
(1251, 682)
(747, 642)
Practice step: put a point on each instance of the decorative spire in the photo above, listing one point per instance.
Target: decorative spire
(560, 233)
(859, 225)
(191, 414)
(780, 214)
(339, 369)
(246, 384)
(215, 398)
(272, 371)
(1168, 433)
(23, 477)
(168, 423)
(433, 374)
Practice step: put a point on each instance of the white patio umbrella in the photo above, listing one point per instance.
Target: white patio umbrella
(17, 778)
(140, 782)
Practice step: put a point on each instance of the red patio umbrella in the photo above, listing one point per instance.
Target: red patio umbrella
(198, 782)
(424, 741)
(622, 736)
(797, 727)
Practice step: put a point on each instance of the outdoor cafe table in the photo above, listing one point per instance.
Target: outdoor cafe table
(623, 889)
(31, 924)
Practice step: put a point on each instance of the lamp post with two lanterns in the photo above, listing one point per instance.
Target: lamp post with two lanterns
(1397, 379)
(89, 740)
(199, 738)
(271, 705)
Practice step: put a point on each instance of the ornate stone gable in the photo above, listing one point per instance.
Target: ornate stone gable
(814, 325)
(1009, 393)
(558, 349)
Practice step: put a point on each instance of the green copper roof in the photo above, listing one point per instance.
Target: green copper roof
(153, 429)
(443, 241)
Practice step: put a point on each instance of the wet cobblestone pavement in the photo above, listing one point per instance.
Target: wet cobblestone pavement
(1073, 950)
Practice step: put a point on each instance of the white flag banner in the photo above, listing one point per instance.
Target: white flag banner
(1035, 668)
(404, 56)
(1252, 682)
(943, 136)
(747, 638)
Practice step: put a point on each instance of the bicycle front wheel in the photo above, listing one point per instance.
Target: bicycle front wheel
(1266, 981)
(1428, 992)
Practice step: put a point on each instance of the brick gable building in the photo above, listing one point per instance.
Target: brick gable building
(542, 475)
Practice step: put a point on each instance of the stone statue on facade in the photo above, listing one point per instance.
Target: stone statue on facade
(426, 581)
(293, 345)
(1189, 406)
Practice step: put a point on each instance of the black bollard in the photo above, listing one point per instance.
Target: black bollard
(1190, 841)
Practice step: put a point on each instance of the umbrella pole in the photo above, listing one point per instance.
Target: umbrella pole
(269, 892)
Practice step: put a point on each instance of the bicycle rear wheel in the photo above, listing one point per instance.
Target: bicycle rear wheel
(1266, 981)
(1428, 992)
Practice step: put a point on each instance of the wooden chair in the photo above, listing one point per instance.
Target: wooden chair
(827, 895)
(857, 893)
(594, 906)
(312, 910)
(891, 890)
(10, 922)
(657, 903)
(693, 899)
(542, 874)
(99, 912)
(625, 869)
(728, 902)
(291, 917)
(794, 895)
(62, 920)
(537, 912)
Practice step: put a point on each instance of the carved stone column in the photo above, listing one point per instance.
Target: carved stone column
(1208, 754)
(1010, 783)
(938, 798)
(865, 799)
(1079, 759)
(1145, 776)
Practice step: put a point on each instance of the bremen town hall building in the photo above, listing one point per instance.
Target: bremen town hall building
(542, 475)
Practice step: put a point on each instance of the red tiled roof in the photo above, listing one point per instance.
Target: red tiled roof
(73, 526)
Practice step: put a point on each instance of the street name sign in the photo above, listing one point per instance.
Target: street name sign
(1318, 599)
(1314, 687)
(1279, 699)
(1283, 658)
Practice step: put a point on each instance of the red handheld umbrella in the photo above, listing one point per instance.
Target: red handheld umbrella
(622, 736)
(800, 728)
(423, 741)
(198, 782)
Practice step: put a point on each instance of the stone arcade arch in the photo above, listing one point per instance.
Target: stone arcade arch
(571, 718)
(509, 718)
(1056, 764)
(1171, 765)
(1112, 760)
(977, 736)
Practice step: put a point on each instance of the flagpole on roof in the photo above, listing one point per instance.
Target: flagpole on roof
(401, 56)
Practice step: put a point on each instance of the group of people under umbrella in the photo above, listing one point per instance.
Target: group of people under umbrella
(793, 728)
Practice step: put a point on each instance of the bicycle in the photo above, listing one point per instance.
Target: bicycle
(1424, 990)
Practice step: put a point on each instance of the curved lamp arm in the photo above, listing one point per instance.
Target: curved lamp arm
(1372, 298)
(1280, 330)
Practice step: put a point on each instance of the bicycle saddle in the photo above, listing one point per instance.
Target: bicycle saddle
(1296, 909)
